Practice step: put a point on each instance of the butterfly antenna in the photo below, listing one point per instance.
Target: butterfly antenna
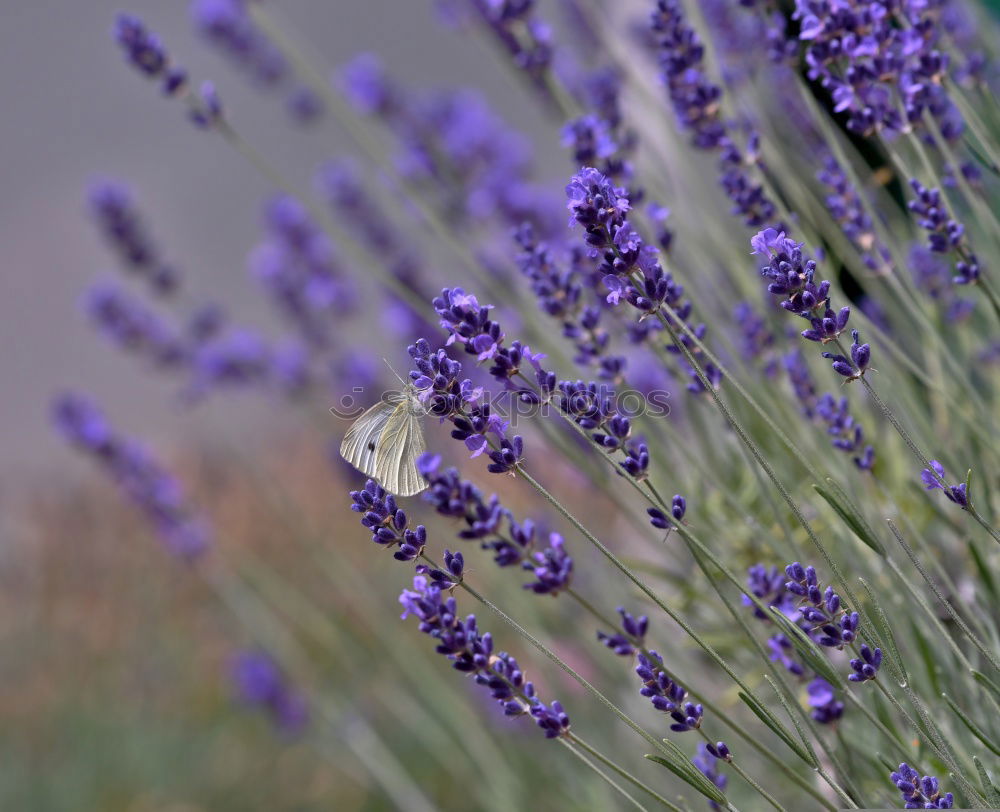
(394, 373)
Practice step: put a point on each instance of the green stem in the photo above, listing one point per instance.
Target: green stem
(572, 738)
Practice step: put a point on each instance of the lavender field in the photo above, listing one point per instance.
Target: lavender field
(504, 404)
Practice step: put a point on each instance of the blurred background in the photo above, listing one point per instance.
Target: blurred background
(115, 657)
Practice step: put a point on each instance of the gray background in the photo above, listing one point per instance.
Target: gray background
(74, 111)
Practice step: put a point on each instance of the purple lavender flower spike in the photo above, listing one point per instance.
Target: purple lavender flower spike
(706, 762)
(866, 666)
(260, 683)
(666, 694)
(632, 636)
(826, 708)
(387, 522)
(552, 568)
(471, 652)
(825, 620)
(140, 477)
(920, 793)
(933, 478)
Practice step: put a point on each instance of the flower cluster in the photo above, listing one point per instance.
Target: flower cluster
(697, 104)
(866, 58)
(227, 25)
(920, 793)
(260, 683)
(387, 522)
(139, 475)
(144, 51)
(563, 294)
(933, 276)
(632, 636)
(846, 433)
(708, 757)
(525, 37)
(120, 223)
(454, 150)
(666, 694)
(844, 204)
(484, 519)
(659, 520)
(631, 270)
(945, 235)
(471, 652)
(829, 624)
(933, 478)
(297, 264)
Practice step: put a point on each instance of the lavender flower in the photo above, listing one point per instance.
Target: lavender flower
(866, 666)
(132, 326)
(830, 624)
(706, 761)
(920, 793)
(697, 107)
(484, 520)
(945, 234)
(145, 482)
(297, 264)
(525, 37)
(768, 585)
(631, 270)
(632, 636)
(666, 694)
(844, 204)
(826, 708)
(145, 52)
(118, 219)
(933, 478)
(472, 652)
(848, 436)
(260, 683)
(387, 522)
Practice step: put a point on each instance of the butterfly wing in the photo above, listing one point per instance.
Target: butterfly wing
(400, 444)
(360, 445)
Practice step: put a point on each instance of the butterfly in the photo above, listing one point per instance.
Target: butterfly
(386, 440)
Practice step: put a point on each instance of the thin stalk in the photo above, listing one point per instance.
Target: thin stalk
(576, 740)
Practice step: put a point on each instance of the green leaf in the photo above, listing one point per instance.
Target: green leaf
(850, 516)
(928, 655)
(691, 776)
(989, 790)
(982, 679)
(985, 575)
(976, 731)
(769, 719)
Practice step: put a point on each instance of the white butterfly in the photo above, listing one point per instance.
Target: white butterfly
(386, 440)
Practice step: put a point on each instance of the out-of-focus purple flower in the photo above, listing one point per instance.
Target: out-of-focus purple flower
(706, 762)
(845, 205)
(768, 585)
(134, 327)
(945, 234)
(826, 708)
(525, 37)
(141, 47)
(118, 219)
(261, 683)
(137, 473)
(227, 25)
(471, 652)
(933, 478)
(206, 107)
(920, 793)
(782, 651)
(297, 263)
